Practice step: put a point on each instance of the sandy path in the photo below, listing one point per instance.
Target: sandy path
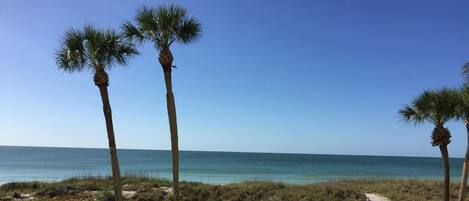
(375, 197)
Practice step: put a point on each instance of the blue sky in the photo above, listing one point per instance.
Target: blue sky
(325, 77)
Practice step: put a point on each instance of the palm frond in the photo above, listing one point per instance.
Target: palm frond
(188, 31)
(116, 48)
(463, 109)
(123, 51)
(465, 71)
(71, 56)
(411, 115)
(170, 16)
(131, 33)
(446, 104)
(147, 23)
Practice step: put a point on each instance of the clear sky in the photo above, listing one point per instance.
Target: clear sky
(325, 77)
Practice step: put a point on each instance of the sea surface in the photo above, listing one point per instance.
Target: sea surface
(52, 164)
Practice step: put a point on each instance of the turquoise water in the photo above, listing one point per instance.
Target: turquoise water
(50, 164)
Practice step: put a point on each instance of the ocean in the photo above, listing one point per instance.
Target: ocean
(52, 164)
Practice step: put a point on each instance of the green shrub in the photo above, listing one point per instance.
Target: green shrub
(150, 195)
(107, 196)
(19, 186)
(16, 195)
(57, 191)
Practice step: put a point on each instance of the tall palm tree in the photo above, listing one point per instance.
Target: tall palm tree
(97, 51)
(436, 107)
(464, 114)
(163, 26)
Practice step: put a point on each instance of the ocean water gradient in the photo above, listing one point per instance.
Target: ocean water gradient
(51, 164)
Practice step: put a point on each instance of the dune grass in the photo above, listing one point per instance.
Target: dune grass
(411, 190)
(146, 189)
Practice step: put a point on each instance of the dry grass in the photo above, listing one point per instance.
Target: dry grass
(408, 190)
(150, 190)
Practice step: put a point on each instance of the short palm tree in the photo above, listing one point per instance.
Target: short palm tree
(436, 107)
(464, 114)
(97, 51)
(163, 26)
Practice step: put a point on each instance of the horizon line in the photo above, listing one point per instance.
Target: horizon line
(245, 152)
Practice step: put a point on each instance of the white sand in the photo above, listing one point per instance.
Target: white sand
(375, 197)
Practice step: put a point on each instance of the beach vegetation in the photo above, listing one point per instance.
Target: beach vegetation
(138, 189)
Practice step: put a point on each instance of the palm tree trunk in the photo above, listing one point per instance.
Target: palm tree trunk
(112, 142)
(166, 61)
(462, 188)
(174, 131)
(444, 155)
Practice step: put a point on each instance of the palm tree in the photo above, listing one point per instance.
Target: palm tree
(464, 114)
(436, 107)
(97, 51)
(163, 26)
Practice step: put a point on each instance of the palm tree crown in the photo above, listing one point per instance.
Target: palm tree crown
(437, 107)
(163, 26)
(93, 48)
